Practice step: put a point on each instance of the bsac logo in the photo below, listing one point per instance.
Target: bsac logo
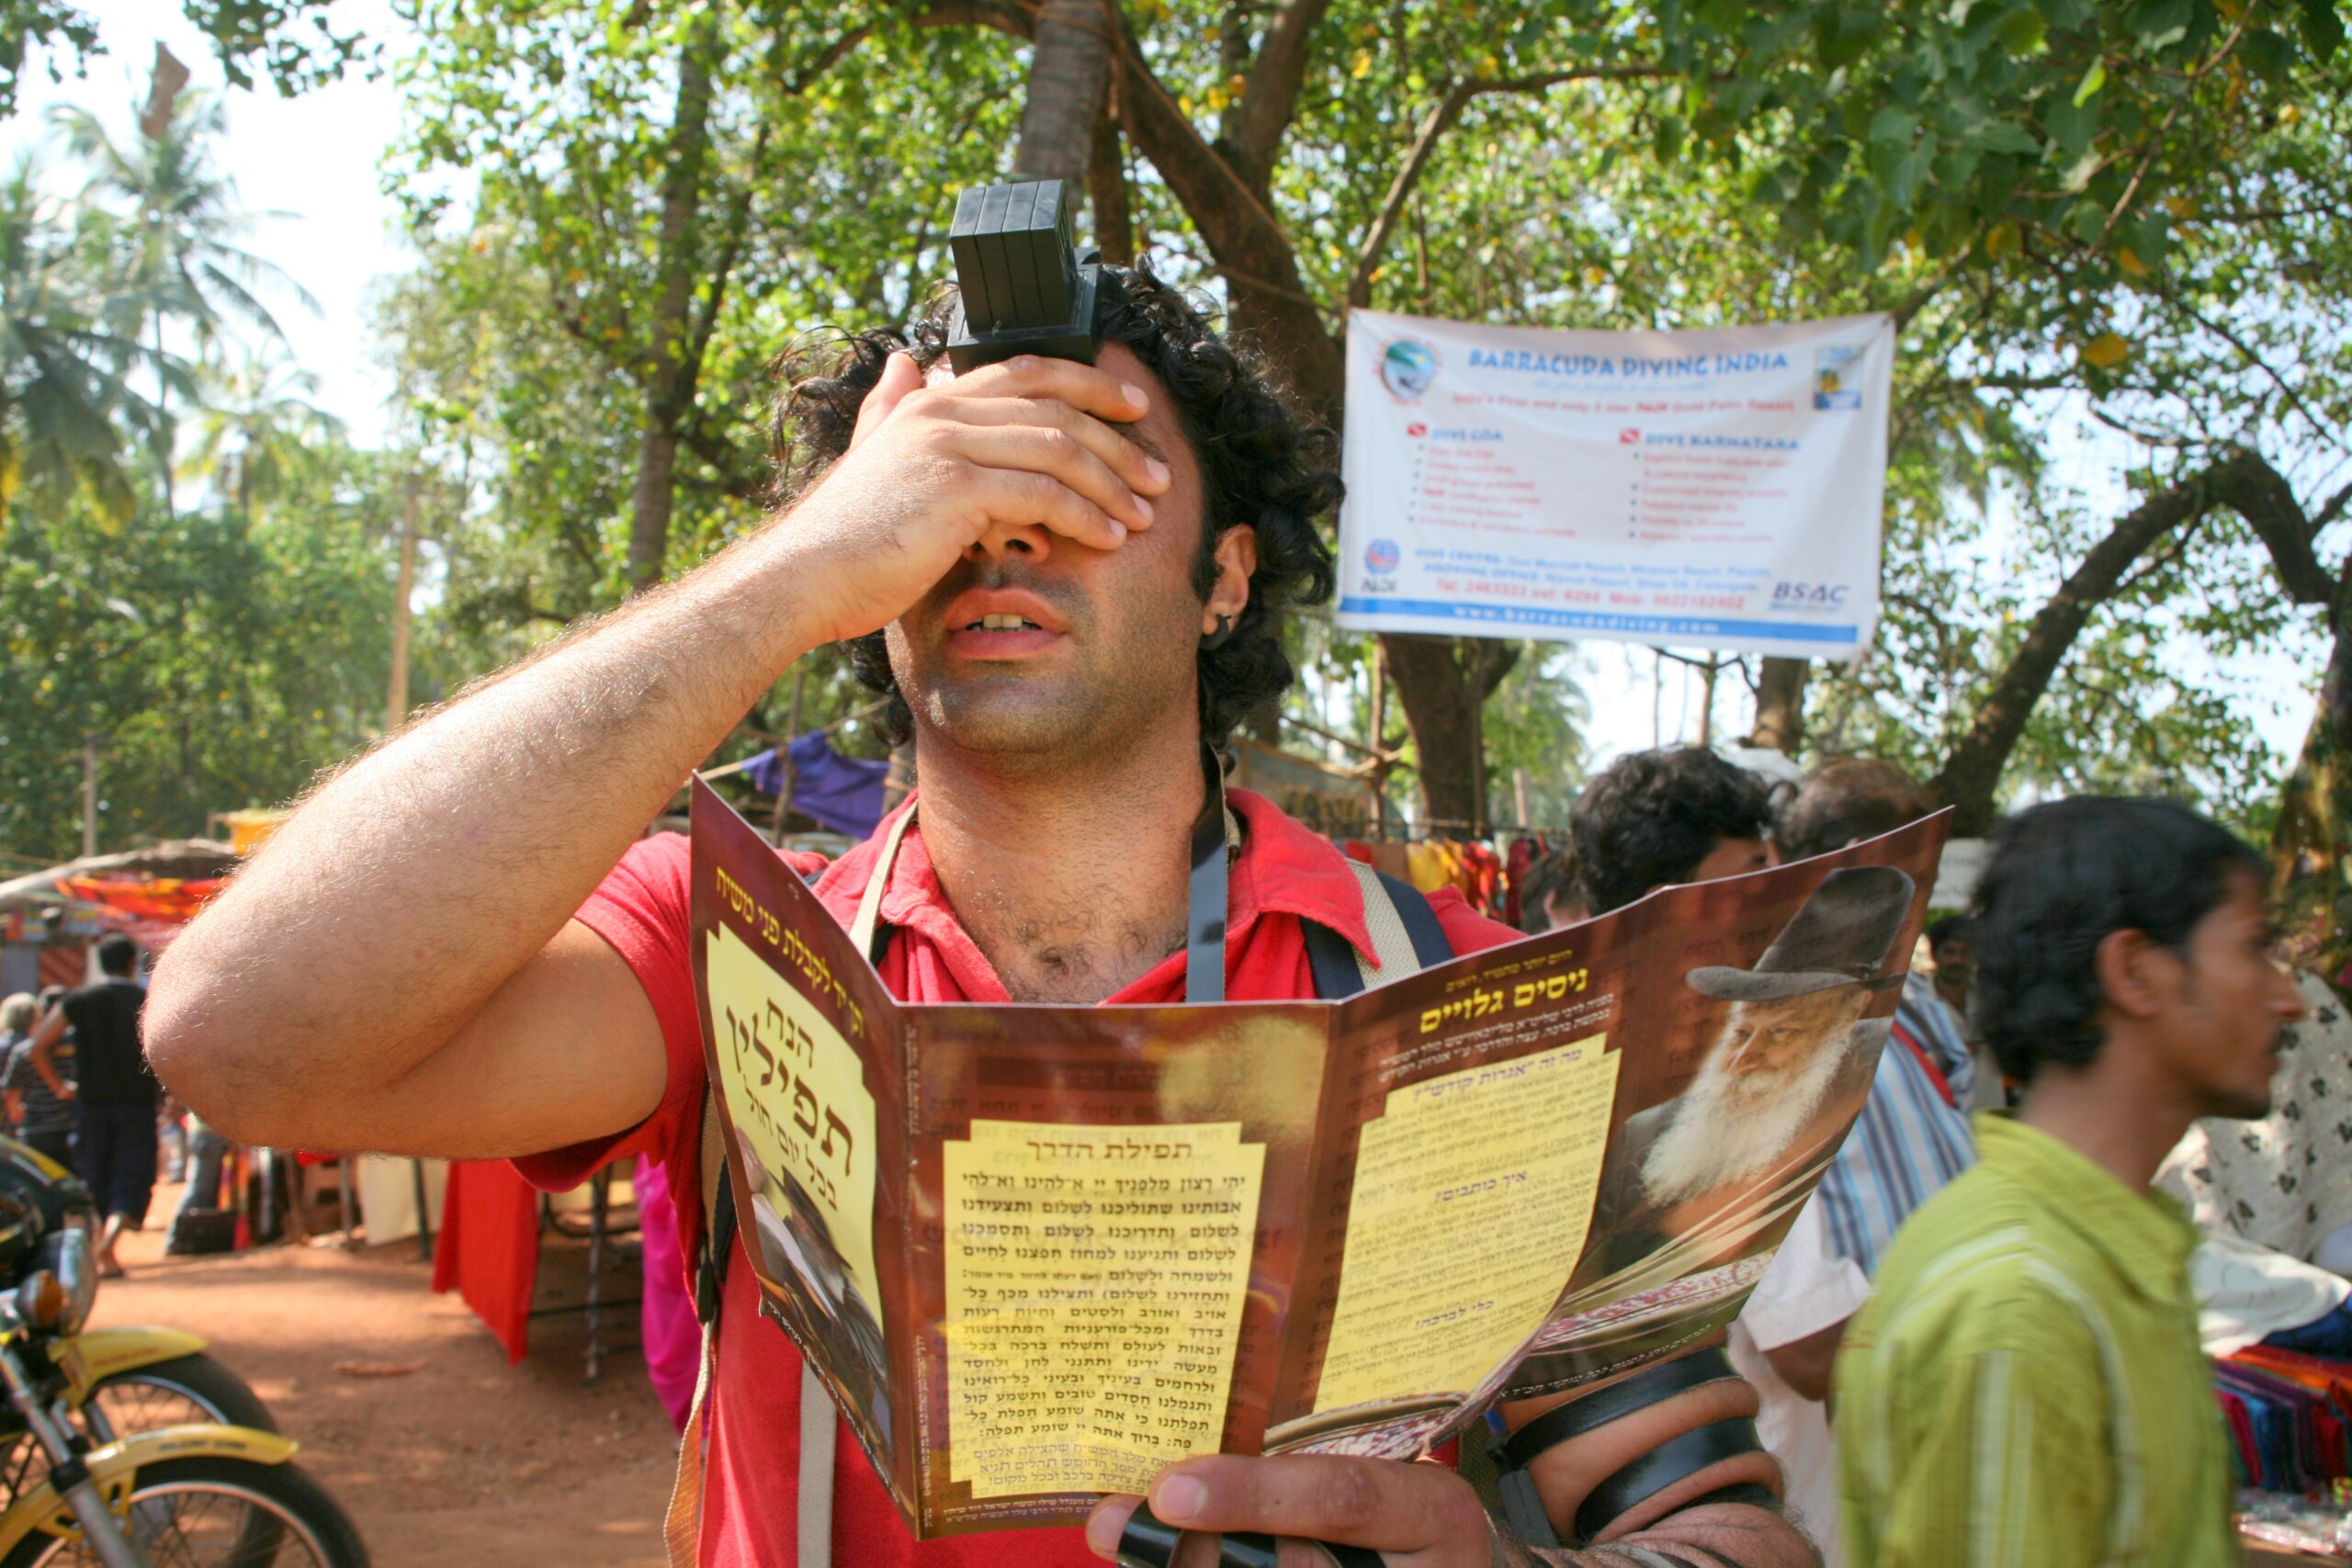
(1406, 368)
(1382, 556)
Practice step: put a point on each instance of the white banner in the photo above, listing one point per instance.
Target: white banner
(1699, 489)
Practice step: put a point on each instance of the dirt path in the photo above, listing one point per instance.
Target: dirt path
(464, 1462)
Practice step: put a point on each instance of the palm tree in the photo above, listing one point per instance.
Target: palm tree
(181, 218)
(63, 367)
(257, 434)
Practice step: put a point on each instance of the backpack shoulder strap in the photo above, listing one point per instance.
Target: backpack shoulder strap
(1405, 938)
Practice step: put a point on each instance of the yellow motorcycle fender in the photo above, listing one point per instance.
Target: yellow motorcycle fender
(103, 1352)
(115, 1468)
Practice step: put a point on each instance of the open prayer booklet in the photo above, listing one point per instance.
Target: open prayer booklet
(1039, 1253)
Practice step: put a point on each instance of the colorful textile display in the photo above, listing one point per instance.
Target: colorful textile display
(2290, 1416)
(161, 898)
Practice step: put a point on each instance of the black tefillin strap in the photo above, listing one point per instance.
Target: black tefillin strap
(1674, 1460)
(1149, 1543)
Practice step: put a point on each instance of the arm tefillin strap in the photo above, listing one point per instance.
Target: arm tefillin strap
(1674, 1460)
(1150, 1542)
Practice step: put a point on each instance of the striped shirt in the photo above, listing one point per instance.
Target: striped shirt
(38, 1113)
(1908, 1141)
(2025, 1384)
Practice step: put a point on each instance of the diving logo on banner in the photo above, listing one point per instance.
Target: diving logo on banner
(1408, 368)
(1834, 372)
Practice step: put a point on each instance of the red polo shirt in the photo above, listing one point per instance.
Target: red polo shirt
(1285, 874)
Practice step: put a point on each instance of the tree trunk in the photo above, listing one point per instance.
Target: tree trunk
(2312, 846)
(1068, 74)
(1443, 683)
(655, 495)
(1106, 190)
(1779, 704)
(1973, 772)
(669, 378)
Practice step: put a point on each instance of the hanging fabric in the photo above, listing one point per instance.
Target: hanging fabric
(843, 793)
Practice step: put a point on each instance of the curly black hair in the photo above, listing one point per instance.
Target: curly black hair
(2060, 878)
(1263, 465)
(1650, 818)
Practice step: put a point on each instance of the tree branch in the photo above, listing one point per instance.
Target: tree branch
(825, 59)
(2156, 142)
(2249, 486)
(1971, 772)
(1217, 197)
(2294, 399)
(1255, 125)
(1433, 127)
(738, 480)
(703, 321)
(1013, 20)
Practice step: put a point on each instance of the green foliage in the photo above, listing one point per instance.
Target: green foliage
(62, 386)
(216, 661)
(2131, 215)
(289, 42)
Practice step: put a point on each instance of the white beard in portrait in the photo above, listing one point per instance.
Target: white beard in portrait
(1762, 1084)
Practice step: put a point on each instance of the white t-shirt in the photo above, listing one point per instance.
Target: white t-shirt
(1807, 1290)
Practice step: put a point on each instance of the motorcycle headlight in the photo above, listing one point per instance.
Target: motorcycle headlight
(74, 1259)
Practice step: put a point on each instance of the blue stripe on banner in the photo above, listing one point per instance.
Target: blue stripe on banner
(1667, 626)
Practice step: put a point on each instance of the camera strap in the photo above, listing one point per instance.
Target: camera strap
(1204, 913)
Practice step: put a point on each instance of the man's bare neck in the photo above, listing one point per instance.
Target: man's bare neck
(1071, 881)
(2117, 1116)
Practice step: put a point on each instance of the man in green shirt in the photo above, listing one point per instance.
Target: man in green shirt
(2026, 1386)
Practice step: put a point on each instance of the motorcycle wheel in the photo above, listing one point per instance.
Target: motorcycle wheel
(218, 1512)
(165, 1393)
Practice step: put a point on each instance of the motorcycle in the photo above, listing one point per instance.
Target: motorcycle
(200, 1493)
(132, 1379)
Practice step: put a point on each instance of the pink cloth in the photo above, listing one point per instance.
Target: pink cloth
(672, 1337)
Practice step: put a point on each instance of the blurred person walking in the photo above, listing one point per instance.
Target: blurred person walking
(2025, 1384)
(36, 1116)
(115, 1097)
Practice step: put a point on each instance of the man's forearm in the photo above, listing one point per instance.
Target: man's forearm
(408, 889)
(1716, 1535)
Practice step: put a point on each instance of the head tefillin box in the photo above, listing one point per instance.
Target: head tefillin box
(1023, 286)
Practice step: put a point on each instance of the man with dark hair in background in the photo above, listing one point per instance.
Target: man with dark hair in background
(1553, 897)
(1951, 946)
(113, 1092)
(1067, 578)
(2026, 1385)
(1680, 814)
(1912, 1136)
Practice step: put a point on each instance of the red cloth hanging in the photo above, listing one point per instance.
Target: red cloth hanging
(488, 1251)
